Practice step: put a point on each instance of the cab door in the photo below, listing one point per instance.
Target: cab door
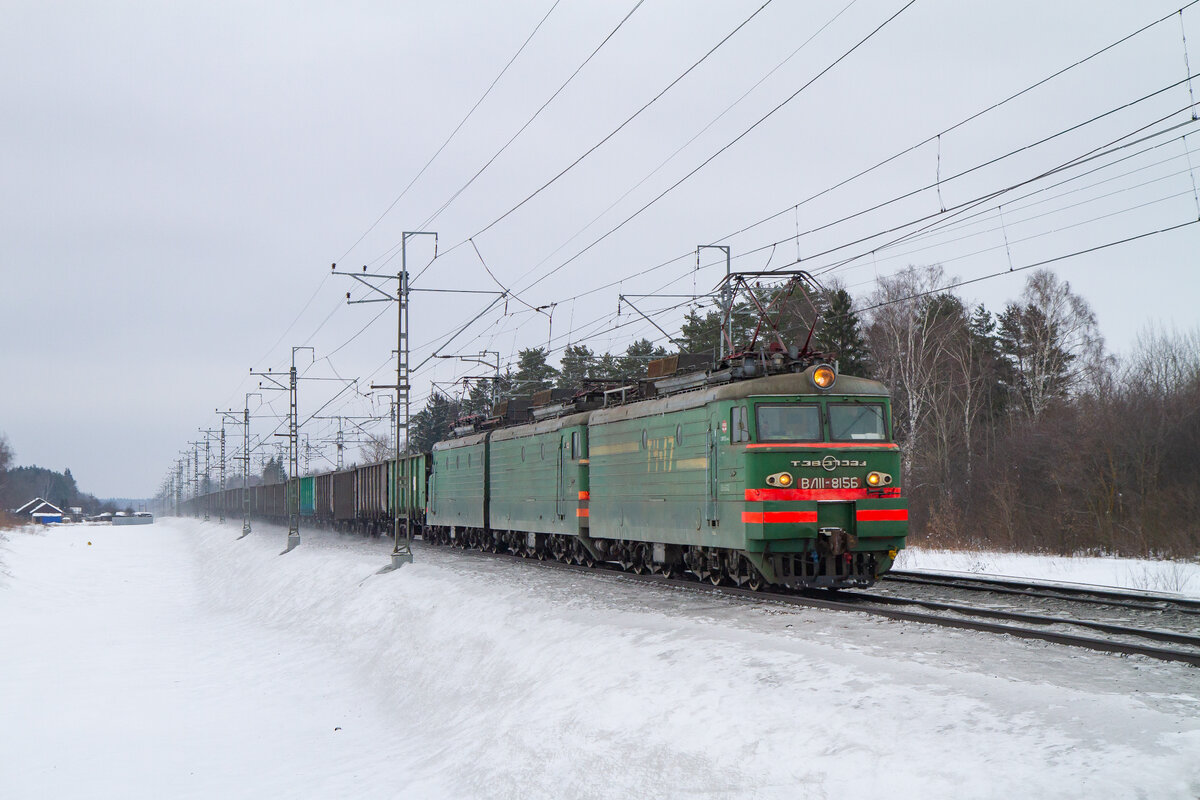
(711, 471)
(562, 480)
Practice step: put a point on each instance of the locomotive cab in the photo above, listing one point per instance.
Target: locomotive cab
(823, 503)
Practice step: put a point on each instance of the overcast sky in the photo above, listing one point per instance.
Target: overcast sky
(178, 178)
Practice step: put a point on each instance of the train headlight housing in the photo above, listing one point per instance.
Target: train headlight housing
(878, 479)
(823, 376)
(780, 479)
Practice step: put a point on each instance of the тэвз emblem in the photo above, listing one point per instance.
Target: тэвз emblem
(830, 463)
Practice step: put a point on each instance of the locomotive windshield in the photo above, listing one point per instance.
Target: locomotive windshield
(789, 423)
(850, 422)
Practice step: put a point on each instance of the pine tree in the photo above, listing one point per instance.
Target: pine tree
(841, 335)
(578, 364)
(432, 423)
(633, 364)
(273, 471)
(533, 373)
(985, 349)
(607, 368)
(701, 334)
(478, 399)
(1051, 341)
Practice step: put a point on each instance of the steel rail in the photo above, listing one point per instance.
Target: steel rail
(1036, 619)
(1143, 601)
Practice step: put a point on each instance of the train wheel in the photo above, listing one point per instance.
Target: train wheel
(581, 555)
(621, 552)
(717, 574)
(756, 582)
(640, 557)
(558, 547)
(741, 572)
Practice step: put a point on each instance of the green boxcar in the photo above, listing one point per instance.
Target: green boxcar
(458, 483)
(409, 484)
(307, 507)
(538, 477)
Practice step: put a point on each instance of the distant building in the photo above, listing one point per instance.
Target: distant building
(41, 511)
(140, 518)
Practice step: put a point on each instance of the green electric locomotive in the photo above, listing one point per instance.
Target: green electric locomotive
(788, 479)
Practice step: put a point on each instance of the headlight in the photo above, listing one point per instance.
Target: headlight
(878, 479)
(823, 376)
(783, 479)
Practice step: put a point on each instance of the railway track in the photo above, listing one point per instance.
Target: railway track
(1078, 593)
(1103, 635)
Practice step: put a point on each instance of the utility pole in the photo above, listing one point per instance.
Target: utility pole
(402, 550)
(402, 530)
(292, 490)
(221, 501)
(195, 475)
(293, 538)
(402, 547)
(726, 301)
(231, 417)
(246, 464)
(206, 486)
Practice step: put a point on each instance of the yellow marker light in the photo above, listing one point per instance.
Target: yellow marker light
(823, 376)
(878, 479)
(780, 479)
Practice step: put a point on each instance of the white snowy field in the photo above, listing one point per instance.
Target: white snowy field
(170, 661)
(1171, 577)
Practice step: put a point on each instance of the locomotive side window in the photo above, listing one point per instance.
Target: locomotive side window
(739, 425)
(789, 423)
(575, 445)
(850, 422)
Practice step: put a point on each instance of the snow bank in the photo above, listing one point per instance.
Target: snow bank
(225, 668)
(1175, 577)
(510, 680)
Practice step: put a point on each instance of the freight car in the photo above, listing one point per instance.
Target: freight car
(361, 499)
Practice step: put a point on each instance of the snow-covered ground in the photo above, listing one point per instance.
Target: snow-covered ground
(172, 661)
(1174, 577)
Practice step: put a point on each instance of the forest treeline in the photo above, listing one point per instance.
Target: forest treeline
(1018, 429)
(19, 485)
